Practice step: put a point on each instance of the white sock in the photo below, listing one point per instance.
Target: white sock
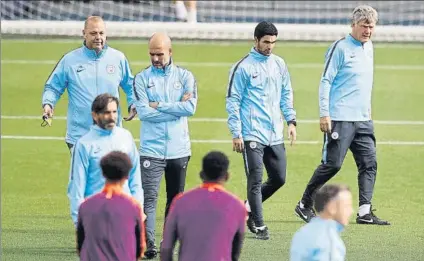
(364, 209)
(247, 206)
(180, 10)
(261, 228)
(301, 205)
(192, 16)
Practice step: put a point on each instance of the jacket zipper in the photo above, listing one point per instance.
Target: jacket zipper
(166, 123)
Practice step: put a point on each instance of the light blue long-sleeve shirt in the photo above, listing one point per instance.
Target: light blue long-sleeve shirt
(346, 83)
(259, 95)
(86, 178)
(319, 240)
(85, 75)
(164, 131)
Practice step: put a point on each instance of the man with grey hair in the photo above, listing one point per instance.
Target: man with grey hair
(345, 115)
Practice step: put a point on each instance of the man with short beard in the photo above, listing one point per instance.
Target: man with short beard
(86, 72)
(86, 178)
(259, 97)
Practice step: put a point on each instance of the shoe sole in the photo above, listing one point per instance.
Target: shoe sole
(368, 223)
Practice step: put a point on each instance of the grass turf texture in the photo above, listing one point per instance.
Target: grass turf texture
(35, 215)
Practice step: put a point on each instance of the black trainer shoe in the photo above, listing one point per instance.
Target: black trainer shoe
(306, 214)
(151, 251)
(371, 219)
(251, 224)
(262, 234)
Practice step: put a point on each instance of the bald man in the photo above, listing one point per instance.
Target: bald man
(86, 72)
(166, 95)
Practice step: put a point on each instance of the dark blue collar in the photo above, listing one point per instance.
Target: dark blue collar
(258, 56)
(354, 41)
(166, 70)
(92, 53)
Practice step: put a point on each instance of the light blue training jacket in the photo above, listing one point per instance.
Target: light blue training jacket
(164, 132)
(319, 240)
(346, 83)
(86, 75)
(86, 178)
(259, 95)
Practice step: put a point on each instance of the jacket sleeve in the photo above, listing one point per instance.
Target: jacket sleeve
(144, 111)
(77, 179)
(286, 102)
(236, 87)
(134, 180)
(185, 108)
(55, 85)
(333, 62)
(127, 81)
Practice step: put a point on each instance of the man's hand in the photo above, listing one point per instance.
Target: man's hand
(154, 105)
(186, 97)
(47, 111)
(292, 134)
(238, 145)
(132, 114)
(325, 124)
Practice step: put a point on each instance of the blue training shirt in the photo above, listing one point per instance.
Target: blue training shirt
(86, 74)
(347, 81)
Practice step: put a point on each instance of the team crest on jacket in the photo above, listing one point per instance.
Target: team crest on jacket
(146, 164)
(110, 68)
(177, 85)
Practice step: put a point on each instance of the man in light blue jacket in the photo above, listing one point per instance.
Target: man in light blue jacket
(86, 178)
(319, 240)
(166, 95)
(345, 115)
(259, 98)
(86, 72)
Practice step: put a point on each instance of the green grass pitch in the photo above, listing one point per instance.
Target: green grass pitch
(35, 218)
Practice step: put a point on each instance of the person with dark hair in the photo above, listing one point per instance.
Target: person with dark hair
(111, 223)
(85, 72)
(86, 177)
(208, 221)
(259, 96)
(320, 239)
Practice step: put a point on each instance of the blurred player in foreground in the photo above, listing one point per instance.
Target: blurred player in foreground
(166, 95)
(110, 223)
(345, 115)
(320, 239)
(259, 96)
(208, 221)
(86, 177)
(86, 72)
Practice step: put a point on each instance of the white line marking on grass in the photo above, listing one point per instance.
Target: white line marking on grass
(222, 64)
(393, 143)
(380, 122)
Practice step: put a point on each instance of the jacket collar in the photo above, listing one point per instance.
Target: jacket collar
(258, 56)
(92, 54)
(101, 131)
(354, 41)
(211, 186)
(331, 222)
(164, 71)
